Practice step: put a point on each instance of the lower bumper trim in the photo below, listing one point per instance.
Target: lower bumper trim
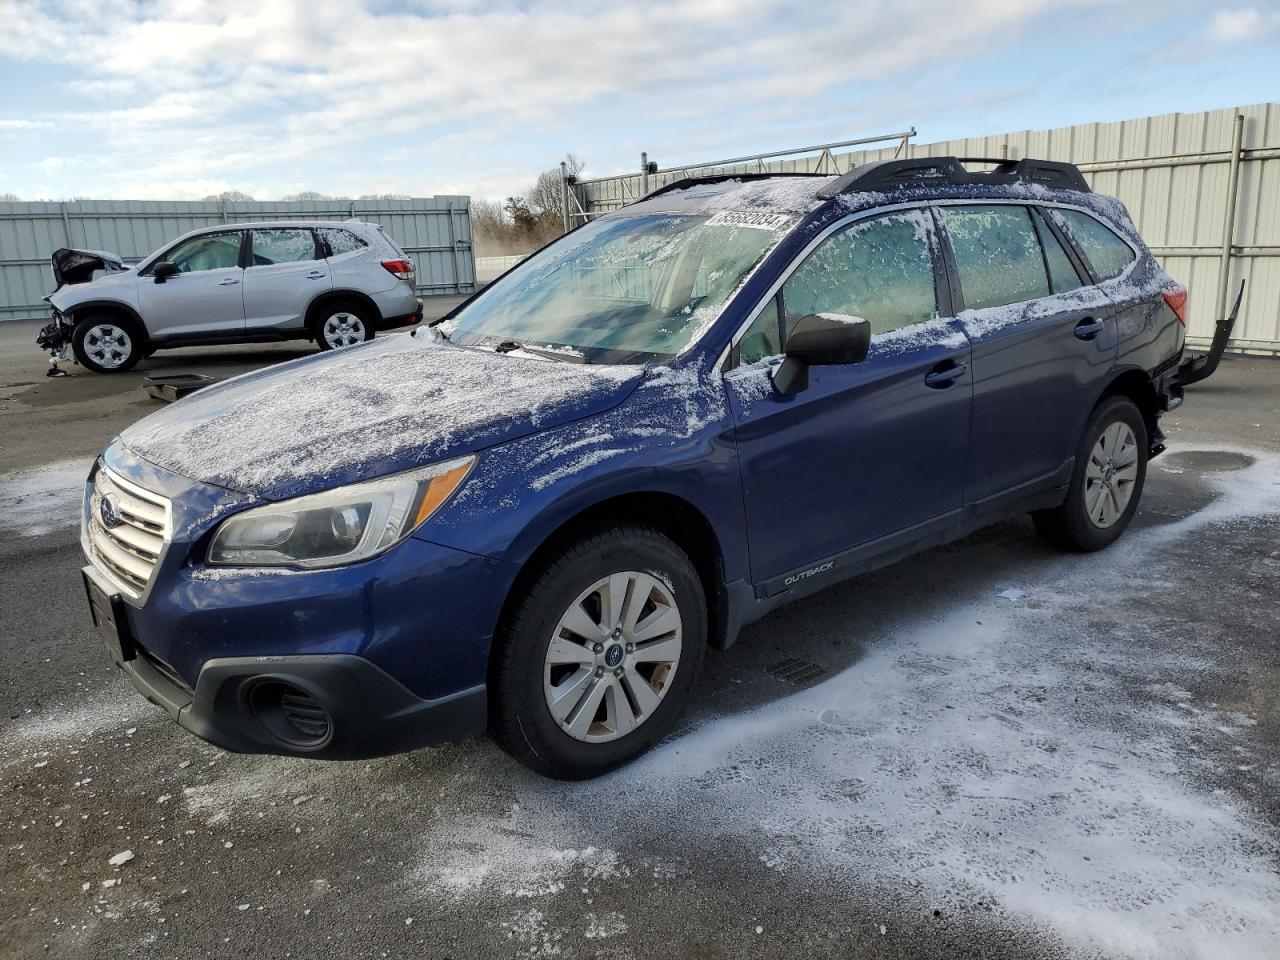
(372, 713)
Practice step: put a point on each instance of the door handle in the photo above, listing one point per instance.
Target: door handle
(229, 282)
(316, 275)
(1088, 328)
(945, 374)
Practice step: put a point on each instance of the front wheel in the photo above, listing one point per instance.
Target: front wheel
(342, 325)
(601, 655)
(105, 344)
(1106, 484)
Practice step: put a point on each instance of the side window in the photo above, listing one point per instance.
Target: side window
(1062, 272)
(342, 241)
(282, 246)
(211, 251)
(880, 270)
(997, 254)
(1107, 254)
(763, 338)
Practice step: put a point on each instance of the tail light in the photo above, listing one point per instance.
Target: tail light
(401, 269)
(1176, 298)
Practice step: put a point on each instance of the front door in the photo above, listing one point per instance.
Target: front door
(870, 451)
(205, 296)
(286, 272)
(1043, 340)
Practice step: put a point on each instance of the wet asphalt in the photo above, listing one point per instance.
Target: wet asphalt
(926, 795)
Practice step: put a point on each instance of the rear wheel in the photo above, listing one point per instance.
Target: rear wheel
(342, 325)
(106, 344)
(601, 655)
(1106, 485)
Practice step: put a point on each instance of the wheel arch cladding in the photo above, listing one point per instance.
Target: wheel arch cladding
(107, 308)
(332, 298)
(1137, 386)
(672, 516)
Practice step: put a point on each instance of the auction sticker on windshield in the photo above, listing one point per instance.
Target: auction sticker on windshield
(750, 218)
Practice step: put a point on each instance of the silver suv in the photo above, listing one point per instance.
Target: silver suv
(329, 281)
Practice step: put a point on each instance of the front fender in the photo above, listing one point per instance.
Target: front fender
(672, 436)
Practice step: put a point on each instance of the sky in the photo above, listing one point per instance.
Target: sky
(178, 99)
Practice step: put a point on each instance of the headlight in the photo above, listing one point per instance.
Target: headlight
(339, 526)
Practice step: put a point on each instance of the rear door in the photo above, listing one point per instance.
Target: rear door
(871, 449)
(1143, 326)
(286, 271)
(204, 298)
(1043, 340)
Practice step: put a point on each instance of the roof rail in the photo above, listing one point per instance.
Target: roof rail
(686, 182)
(914, 171)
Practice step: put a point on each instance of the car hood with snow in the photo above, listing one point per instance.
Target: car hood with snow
(390, 405)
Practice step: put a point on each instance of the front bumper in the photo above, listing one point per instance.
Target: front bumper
(355, 709)
(392, 651)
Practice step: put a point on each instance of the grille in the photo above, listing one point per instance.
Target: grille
(130, 549)
(305, 715)
(162, 668)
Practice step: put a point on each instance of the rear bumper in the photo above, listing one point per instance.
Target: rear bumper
(339, 706)
(403, 320)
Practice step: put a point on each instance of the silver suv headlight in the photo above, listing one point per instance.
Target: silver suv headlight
(340, 526)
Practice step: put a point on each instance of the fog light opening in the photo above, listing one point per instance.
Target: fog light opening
(290, 714)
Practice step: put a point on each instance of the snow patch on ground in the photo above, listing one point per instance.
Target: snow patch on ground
(43, 499)
(988, 751)
(113, 709)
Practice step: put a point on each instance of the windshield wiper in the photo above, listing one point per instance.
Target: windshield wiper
(567, 355)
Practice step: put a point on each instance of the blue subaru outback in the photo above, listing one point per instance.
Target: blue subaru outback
(535, 516)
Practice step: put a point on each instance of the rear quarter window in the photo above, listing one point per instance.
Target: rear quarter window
(1103, 250)
(342, 241)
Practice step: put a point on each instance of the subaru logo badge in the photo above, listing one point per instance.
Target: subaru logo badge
(109, 513)
(613, 656)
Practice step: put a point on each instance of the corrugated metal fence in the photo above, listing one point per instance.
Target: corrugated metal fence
(1203, 188)
(434, 231)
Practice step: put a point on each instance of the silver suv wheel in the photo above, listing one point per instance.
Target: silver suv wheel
(613, 656)
(343, 329)
(1111, 474)
(108, 345)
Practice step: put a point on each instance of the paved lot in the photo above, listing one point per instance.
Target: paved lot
(1085, 766)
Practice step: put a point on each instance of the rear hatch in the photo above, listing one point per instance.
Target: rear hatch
(78, 266)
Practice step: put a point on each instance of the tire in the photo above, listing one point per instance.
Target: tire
(1106, 483)
(342, 324)
(596, 686)
(107, 344)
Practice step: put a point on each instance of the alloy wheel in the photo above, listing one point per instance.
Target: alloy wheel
(343, 329)
(612, 656)
(1111, 474)
(107, 345)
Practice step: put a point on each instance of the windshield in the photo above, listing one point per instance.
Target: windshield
(623, 289)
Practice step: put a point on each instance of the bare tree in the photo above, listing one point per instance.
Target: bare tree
(230, 196)
(310, 195)
(546, 196)
(9, 198)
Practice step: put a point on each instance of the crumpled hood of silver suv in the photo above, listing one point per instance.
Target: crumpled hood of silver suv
(392, 404)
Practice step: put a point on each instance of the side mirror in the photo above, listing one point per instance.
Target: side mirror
(163, 270)
(821, 339)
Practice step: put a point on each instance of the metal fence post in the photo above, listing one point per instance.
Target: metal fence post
(644, 173)
(1229, 223)
(564, 194)
(66, 222)
(453, 245)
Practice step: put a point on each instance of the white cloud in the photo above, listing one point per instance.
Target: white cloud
(1249, 23)
(228, 89)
